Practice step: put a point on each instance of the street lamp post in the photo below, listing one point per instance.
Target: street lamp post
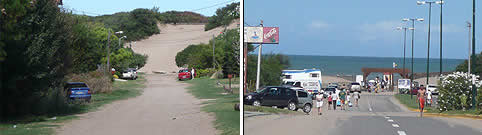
(121, 39)
(413, 32)
(428, 43)
(474, 90)
(441, 6)
(404, 44)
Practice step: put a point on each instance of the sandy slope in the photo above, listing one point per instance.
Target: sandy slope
(162, 48)
(165, 107)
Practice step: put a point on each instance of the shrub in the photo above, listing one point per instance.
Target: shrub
(456, 91)
(205, 72)
(98, 82)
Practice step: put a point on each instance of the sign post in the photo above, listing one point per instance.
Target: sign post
(260, 35)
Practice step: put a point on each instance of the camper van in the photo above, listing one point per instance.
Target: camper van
(308, 79)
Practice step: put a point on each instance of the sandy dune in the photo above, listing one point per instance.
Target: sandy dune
(162, 48)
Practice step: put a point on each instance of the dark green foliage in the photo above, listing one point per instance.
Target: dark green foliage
(136, 25)
(478, 66)
(223, 17)
(125, 58)
(201, 56)
(44, 44)
(271, 67)
(175, 17)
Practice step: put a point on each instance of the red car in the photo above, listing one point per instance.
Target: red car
(184, 74)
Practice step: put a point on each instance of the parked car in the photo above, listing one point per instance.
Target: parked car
(333, 85)
(280, 96)
(432, 88)
(355, 86)
(184, 74)
(78, 91)
(129, 74)
(328, 90)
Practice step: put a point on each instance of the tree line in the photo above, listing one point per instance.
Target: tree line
(41, 44)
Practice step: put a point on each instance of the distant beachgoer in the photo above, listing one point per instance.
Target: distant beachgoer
(356, 95)
(319, 102)
(429, 98)
(342, 98)
(334, 97)
(330, 101)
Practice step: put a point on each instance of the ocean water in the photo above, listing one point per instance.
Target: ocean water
(351, 65)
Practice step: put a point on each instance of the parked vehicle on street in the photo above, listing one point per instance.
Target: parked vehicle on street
(184, 74)
(403, 85)
(308, 79)
(432, 88)
(129, 73)
(355, 86)
(78, 91)
(280, 96)
(333, 85)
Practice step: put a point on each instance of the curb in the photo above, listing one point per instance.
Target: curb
(467, 116)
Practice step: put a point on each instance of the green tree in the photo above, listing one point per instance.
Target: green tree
(463, 67)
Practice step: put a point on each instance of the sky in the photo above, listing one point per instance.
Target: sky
(96, 7)
(364, 28)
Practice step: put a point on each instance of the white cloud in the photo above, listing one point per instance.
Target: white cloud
(382, 30)
(319, 25)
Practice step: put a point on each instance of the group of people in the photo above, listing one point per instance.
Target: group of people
(342, 96)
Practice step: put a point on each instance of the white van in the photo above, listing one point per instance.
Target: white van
(308, 79)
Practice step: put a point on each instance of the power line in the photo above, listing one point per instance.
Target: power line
(212, 5)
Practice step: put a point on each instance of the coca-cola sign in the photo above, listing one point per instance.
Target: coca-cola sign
(270, 35)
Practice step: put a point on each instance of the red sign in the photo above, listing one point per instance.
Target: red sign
(270, 35)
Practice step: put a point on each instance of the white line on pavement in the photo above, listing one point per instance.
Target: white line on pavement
(401, 133)
(395, 125)
(390, 120)
(387, 117)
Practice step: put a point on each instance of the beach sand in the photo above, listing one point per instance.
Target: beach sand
(162, 48)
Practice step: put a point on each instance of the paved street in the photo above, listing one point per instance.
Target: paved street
(377, 114)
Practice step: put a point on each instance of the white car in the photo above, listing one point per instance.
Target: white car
(355, 86)
(432, 88)
(129, 74)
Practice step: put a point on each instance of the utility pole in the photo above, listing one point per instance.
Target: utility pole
(259, 61)
(108, 53)
(245, 54)
(214, 46)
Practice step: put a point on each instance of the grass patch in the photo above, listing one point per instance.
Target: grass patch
(413, 104)
(45, 125)
(269, 110)
(222, 105)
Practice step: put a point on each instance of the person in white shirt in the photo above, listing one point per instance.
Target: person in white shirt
(334, 97)
(429, 97)
(192, 73)
(319, 102)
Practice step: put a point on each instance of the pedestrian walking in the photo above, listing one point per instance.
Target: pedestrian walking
(356, 96)
(429, 98)
(421, 99)
(342, 99)
(330, 101)
(319, 102)
(193, 73)
(334, 97)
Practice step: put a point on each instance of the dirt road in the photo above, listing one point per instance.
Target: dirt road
(165, 107)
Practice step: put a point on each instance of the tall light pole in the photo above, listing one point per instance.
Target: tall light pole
(441, 6)
(428, 43)
(474, 90)
(470, 48)
(404, 44)
(121, 39)
(413, 32)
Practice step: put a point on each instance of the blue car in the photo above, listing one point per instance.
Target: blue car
(78, 90)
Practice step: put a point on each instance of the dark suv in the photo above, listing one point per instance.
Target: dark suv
(280, 96)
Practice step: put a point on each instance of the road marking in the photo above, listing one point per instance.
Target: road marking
(387, 117)
(390, 120)
(395, 125)
(401, 133)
